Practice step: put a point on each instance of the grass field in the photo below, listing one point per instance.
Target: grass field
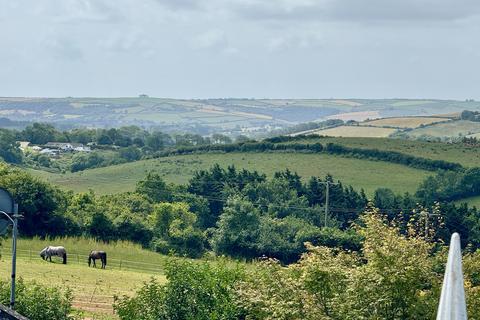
(128, 267)
(472, 201)
(465, 155)
(356, 131)
(447, 129)
(359, 173)
(403, 122)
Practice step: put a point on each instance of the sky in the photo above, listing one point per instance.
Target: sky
(241, 48)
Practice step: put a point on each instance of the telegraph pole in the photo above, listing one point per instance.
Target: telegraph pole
(14, 254)
(9, 209)
(327, 196)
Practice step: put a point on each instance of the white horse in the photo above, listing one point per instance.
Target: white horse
(50, 251)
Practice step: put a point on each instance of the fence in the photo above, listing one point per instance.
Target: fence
(90, 298)
(82, 259)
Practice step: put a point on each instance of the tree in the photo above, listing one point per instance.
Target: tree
(220, 139)
(40, 133)
(130, 153)
(9, 148)
(238, 229)
(174, 228)
(154, 188)
(158, 141)
(82, 161)
(40, 204)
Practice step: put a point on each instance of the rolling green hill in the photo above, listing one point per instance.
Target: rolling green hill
(465, 155)
(360, 173)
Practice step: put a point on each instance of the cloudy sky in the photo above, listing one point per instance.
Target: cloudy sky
(241, 48)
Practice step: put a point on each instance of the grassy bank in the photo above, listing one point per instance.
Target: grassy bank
(359, 173)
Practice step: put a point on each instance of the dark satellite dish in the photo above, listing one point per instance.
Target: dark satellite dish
(6, 205)
(4, 226)
(6, 201)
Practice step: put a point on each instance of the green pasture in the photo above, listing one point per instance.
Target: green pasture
(465, 155)
(472, 201)
(448, 129)
(128, 267)
(359, 173)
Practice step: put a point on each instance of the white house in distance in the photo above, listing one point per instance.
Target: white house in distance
(67, 146)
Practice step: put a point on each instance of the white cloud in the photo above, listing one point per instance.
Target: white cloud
(298, 40)
(212, 39)
(63, 48)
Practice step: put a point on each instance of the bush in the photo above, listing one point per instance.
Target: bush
(38, 302)
(86, 161)
(195, 290)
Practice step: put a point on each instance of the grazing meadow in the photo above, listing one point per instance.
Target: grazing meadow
(359, 173)
(128, 268)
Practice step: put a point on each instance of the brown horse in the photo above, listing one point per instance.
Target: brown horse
(94, 255)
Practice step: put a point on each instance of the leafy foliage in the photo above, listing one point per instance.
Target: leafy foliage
(195, 290)
(38, 302)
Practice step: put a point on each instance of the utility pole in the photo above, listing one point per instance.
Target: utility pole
(327, 196)
(9, 210)
(14, 254)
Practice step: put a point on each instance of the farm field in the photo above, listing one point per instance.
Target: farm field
(465, 155)
(448, 129)
(359, 173)
(404, 122)
(472, 201)
(356, 131)
(93, 289)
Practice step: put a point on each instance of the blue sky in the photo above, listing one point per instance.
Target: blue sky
(241, 48)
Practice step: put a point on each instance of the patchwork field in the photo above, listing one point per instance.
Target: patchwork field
(448, 129)
(359, 173)
(356, 131)
(465, 155)
(405, 122)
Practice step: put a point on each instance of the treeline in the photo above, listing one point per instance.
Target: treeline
(41, 133)
(133, 143)
(395, 276)
(450, 186)
(232, 212)
(470, 115)
(125, 144)
(281, 144)
(307, 126)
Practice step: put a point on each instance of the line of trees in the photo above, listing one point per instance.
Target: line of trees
(330, 148)
(233, 212)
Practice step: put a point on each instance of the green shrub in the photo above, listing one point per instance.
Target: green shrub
(38, 302)
(195, 290)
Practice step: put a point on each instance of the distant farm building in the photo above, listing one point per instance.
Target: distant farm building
(24, 145)
(66, 146)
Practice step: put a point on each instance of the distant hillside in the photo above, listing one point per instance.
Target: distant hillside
(233, 116)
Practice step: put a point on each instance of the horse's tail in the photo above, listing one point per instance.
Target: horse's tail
(105, 258)
(64, 258)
